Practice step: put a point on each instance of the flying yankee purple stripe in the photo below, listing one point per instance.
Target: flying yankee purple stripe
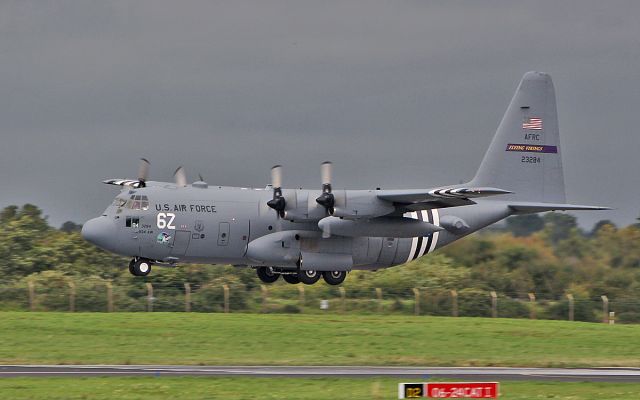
(532, 148)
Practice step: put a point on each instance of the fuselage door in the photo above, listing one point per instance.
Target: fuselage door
(180, 243)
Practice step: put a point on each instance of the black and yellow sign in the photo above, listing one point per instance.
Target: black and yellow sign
(411, 390)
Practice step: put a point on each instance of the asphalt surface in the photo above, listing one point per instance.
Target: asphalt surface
(466, 373)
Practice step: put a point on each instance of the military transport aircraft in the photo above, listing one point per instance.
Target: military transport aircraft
(303, 235)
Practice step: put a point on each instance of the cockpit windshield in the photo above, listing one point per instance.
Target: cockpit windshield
(135, 202)
(138, 202)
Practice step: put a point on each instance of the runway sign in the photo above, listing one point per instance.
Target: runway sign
(448, 390)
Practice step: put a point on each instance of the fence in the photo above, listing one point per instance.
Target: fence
(107, 296)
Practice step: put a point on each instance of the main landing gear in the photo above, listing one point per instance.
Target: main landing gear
(334, 277)
(140, 266)
(308, 277)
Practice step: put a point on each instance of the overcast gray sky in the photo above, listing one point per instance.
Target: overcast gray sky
(395, 93)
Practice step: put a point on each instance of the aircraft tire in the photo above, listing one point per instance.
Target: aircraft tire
(292, 279)
(309, 277)
(141, 267)
(334, 277)
(131, 270)
(267, 275)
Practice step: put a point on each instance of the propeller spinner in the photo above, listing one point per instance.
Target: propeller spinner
(278, 202)
(326, 199)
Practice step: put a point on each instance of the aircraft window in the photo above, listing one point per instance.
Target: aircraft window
(119, 202)
(132, 222)
(144, 203)
(138, 202)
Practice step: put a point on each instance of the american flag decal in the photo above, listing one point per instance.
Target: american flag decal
(532, 123)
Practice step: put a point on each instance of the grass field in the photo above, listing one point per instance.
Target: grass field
(251, 339)
(268, 388)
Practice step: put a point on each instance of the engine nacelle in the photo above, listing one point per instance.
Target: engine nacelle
(301, 205)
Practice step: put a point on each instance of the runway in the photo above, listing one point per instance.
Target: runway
(465, 373)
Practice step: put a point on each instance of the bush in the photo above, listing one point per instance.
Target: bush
(474, 303)
(513, 308)
(210, 297)
(584, 310)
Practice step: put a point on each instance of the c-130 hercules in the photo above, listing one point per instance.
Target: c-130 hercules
(307, 234)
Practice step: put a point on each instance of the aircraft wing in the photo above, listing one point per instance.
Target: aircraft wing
(423, 199)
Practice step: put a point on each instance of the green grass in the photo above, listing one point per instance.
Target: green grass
(253, 339)
(277, 388)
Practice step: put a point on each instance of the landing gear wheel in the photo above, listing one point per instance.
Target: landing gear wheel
(141, 267)
(308, 277)
(291, 278)
(334, 277)
(267, 275)
(133, 260)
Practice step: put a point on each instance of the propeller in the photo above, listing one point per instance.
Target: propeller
(326, 199)
(278, 202)
(180, 176)
(143, 172)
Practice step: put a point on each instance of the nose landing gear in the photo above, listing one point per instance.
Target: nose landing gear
(140, 266)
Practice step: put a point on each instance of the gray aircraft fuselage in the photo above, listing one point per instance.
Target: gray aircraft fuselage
(216, 225)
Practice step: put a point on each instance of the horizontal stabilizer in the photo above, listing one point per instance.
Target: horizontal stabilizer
(533, 207)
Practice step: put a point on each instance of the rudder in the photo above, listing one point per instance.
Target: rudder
(524, 156)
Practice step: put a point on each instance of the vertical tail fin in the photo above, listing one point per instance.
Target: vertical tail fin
(524, 156)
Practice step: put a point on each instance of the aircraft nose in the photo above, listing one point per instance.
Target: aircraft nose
(100, 231)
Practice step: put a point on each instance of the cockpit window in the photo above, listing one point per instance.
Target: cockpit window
(118, 202)
(138, 202)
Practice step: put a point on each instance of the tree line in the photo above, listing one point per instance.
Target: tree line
(549, 255)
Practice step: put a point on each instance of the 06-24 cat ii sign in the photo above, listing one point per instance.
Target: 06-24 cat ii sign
(448, 390)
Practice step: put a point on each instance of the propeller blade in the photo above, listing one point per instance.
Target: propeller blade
(325, 172)
(200, 177)
(143, 171)
(276, 176)
(180, 176)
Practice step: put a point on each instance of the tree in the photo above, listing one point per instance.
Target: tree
(524, 225)
(599, 225)
(558, 226)
(70, 226)
(8, 214)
